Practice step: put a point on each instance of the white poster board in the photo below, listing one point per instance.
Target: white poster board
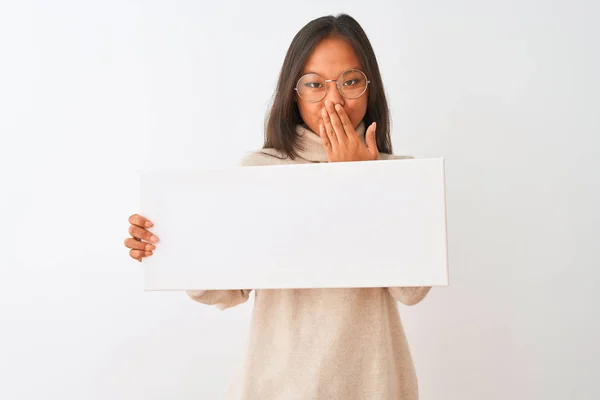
(359, 224)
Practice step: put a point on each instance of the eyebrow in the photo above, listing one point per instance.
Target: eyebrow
(312, 72)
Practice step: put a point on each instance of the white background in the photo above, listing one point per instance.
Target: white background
(92, 92)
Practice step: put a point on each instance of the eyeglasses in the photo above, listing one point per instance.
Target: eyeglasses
(313, 88)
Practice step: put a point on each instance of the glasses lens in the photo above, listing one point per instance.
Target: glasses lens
(353, 83)
(311, 87)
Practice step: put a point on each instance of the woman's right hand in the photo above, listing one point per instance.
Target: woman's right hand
(141, 240)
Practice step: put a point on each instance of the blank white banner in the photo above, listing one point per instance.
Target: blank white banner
(359, 224)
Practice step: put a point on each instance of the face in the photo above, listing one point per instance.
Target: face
(330, 58)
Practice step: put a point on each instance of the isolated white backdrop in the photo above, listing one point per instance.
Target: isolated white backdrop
(92, 92)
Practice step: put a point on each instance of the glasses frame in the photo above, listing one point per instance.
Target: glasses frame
(337, 85)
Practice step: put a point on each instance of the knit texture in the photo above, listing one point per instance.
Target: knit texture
(329, 344)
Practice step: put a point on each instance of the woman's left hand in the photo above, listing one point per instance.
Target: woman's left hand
(341, 141)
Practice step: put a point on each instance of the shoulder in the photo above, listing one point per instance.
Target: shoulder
(385, 156)
(263, 157)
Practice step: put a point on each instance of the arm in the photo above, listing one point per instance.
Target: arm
(222, 299)
(406, 295)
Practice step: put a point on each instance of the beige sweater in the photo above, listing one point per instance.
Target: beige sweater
(329, 344)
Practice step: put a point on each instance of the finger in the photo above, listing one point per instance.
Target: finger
(141, 233)
(329, 129)
(139, 254)
(371, 140)
(140, 221)
(345, 121)
(335, 121)
(325, 140)
(136, 244)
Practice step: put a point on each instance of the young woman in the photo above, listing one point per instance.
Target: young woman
(329, 106)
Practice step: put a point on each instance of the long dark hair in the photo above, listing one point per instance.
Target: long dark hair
(283, 116)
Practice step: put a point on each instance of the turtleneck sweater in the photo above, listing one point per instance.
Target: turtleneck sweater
(329, 343)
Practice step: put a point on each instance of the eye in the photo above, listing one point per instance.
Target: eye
(312, 85)
(351, 82)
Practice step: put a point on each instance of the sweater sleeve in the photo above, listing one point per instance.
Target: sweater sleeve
(409, 295)
(406, 295)
(222, 299)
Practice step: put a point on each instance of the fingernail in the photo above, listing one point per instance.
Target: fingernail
(153, 239)
(148, 224)
(338, 107)
(148, 253)
(149, 247)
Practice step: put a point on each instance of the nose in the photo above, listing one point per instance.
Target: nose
(333, 94)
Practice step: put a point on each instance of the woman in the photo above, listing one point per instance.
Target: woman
(329, 106)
